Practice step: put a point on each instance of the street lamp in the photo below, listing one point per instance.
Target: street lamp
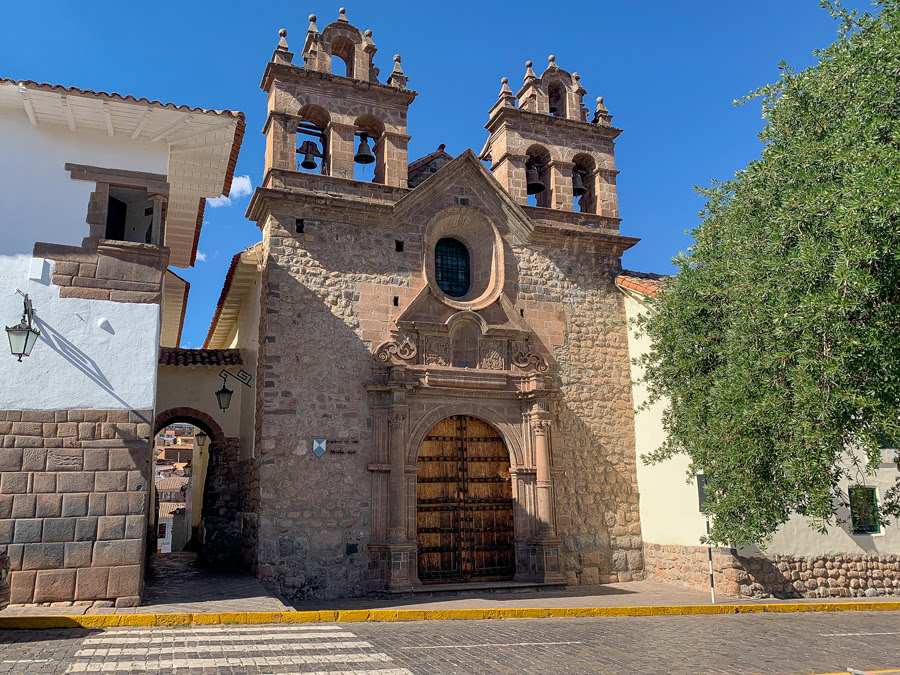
(223, 395)
(23, 336)
(201, 439)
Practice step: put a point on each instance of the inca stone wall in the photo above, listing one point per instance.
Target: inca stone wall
(73, 504)
(571, 302)
(779, 576)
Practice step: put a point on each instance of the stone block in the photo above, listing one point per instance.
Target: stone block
(590, 576)
(136, 482)
(117, 553)
(13, 483)
(130, 601)
(111, 481)
(14, 551)
(43, 556)
(87, 431)
(75, 481)
(44, 482)
(91, 583)
(6, 502)
(23, 506)
(28, 531)
(96, 505)
(6, 531)
(86, 528)
(96, 459)
(11, 459)
(65, 459)
(117, 504)
(54, 586)
(27, 429)
(21, 587)
(59, 529)
(34, 459)
(75, 505)
(111, 527)
(124, 581)
(135, 527)
(48, 506)
(127, 459)
(78, 554)
(67, 429)
(138, 503)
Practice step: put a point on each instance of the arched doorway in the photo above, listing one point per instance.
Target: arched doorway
(464, 505)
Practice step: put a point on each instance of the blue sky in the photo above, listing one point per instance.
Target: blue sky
(667, 71)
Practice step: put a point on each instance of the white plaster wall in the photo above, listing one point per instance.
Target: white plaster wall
(195, 387)
(40, 201)
(670, 511)
(669, 505)
(76, 363)
(247, 340)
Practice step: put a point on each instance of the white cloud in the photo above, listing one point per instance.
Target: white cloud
(240, 187)
(201, 256)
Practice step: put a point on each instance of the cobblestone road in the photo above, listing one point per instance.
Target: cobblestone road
(785, 644)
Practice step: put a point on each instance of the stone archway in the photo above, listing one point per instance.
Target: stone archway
(192, 416)
(464, 504)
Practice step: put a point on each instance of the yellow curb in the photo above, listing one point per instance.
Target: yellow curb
(384, 615)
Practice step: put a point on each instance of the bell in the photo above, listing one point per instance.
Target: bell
(533, 183)
(364, 153)
(578, 188)
(553, 108)
(309, 155)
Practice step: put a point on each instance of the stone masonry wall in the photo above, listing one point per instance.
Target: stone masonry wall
(73, 504)
(778, 576)
(570, 300)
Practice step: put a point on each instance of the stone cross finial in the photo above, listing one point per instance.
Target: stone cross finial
(343, 15)
(312, 24)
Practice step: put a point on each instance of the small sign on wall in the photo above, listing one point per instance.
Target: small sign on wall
(319, 446)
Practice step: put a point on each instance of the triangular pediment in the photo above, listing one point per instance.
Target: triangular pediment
(483, 191)
(428, 311)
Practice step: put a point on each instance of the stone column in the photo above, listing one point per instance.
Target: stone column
(544, 489)
(281, 141)
(561, 185)
(340, 149)
(157, 225)
(397, 483)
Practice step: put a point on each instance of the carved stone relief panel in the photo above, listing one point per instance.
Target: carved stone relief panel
(490, 355)
(437, 350)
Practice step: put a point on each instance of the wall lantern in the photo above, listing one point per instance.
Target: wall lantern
(23, 336)
(223, 395)
(201, 439)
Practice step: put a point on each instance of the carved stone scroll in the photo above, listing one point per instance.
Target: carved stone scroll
(401, 348)
(526, 359)
(490, 355)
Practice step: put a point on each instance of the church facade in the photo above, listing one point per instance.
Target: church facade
(442, 374)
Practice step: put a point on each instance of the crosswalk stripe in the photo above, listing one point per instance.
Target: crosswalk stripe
(212, 637)
(225, 628)
(250, 649)
(143, 666)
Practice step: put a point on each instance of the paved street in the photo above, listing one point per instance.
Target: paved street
(786, 644)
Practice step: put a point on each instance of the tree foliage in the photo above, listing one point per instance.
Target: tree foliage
(777, 343)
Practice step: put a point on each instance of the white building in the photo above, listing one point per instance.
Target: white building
(102, 193)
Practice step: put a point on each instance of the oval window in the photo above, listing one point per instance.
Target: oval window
(451, 267)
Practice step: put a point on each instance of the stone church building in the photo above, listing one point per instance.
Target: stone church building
(442, 373)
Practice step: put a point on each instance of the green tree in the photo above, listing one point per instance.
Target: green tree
(777, 343)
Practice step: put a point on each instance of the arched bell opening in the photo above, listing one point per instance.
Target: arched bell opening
(312, 141)
(370, 149)
(557, 104)
(537, 176)
(342, 56)
(584, 178)
(464, 504)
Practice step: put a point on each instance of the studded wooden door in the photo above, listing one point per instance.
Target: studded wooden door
(464, 508)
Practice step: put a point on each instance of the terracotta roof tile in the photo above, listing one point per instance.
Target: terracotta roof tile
(178, 356)
(172, 484)
(167, 509)
(647, 283)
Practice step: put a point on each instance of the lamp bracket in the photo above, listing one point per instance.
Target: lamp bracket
(242, 376)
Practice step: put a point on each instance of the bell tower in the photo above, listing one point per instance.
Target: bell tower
(323, 115)
(542, 143)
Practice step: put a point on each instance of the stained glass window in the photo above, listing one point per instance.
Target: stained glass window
(451, 267)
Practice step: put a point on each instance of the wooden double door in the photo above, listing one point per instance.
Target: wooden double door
(464, 506)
